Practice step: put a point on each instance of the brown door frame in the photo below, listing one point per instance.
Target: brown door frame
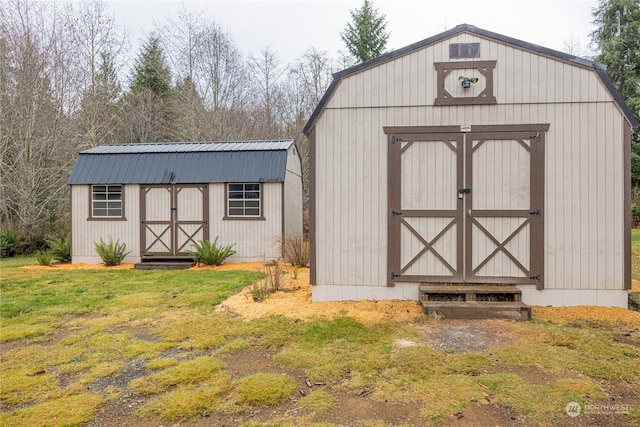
(174, 223)
(535, 218)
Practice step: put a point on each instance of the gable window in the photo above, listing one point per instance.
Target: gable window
(107, 201)
(244, 200)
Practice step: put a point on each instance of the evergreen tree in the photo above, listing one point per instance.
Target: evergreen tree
(365, 37)
(617, 37)
(151, 70)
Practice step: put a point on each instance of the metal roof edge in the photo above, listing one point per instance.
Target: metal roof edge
(598, 67)
(103, 149)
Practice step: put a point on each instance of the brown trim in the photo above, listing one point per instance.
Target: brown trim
(106, 218)
(394, 247)
(626, 141)
(419, 131)
(485, 68)
(312, 207)
(529, 136)
(226, 216)
(537, 189)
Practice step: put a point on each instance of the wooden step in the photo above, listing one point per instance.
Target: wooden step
(163, 265)
(485, 293)
(474, 301)
(478, 310)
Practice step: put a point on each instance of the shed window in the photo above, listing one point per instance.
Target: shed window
(464, 50)
(244, 200)
(106, 201)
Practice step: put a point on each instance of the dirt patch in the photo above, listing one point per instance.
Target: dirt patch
(464, 336)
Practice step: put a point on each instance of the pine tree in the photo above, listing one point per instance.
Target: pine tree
(617, 37)
(151, 70)
(365, 37)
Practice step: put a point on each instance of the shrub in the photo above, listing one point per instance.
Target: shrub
(210, 253)
(295, 250)
(9, 241)
(44, 257)
(112, 253)
(61, 247)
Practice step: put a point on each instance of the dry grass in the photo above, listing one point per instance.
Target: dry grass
(567, 315)
(318, 401)
(189, 372)
(71, 410)
(264, 389)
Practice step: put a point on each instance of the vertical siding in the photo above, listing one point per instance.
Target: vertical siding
(256, 240)
(84, 233)
(293, 195)
(584, 160)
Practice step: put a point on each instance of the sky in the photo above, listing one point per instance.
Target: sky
(289, 27)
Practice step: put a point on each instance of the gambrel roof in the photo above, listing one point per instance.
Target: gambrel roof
(182, 163)
(600, 69)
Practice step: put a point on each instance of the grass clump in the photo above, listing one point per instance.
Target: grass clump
(189, 372)
(112, 253)
(211, 253)
(318, 401)
(264, 389)
(189, 402)
(162, 363)
(238, 344)
(71, 410)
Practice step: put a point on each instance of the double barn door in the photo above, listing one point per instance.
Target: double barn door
(466, 205)
(174, 217)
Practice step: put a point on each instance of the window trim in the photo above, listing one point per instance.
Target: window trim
(122, 216)
(228, 217)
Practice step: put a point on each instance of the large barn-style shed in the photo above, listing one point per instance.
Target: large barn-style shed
(471, 158)
(161, 198)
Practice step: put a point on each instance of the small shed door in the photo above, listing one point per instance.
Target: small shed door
(173, 218)
(466, 207)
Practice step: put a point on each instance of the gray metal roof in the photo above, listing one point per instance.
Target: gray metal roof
(182, 163)
(599, 68)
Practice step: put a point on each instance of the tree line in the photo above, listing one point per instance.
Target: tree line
(63, 90)
(66, 86)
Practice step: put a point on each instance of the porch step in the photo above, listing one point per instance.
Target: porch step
(173, 265)
(474, 301)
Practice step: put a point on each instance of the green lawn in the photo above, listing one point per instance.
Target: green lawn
(70, 338)
(635, 253)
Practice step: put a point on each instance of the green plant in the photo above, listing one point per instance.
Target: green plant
(112, 253)
(210, 253)
(259, 291)
(44, 257)
(295, 250)
(61, 247)
(9, 240)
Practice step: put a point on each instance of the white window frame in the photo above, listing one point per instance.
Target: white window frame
(111, 197)
(241, 199)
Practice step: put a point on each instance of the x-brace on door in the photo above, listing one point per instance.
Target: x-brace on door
(466, 207)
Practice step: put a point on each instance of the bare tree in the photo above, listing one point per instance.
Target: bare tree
(35, 96)
(267, 70)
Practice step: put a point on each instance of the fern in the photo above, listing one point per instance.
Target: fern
(112, 253)
(61, 247)
(210, 253)
(44, 257)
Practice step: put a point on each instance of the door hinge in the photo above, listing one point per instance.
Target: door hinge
(395, 213)
(536, 277)
(395, 275)
(536, 136)
(395, 139)
(536, 212)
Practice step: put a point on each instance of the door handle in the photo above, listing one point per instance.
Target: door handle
(469, 213)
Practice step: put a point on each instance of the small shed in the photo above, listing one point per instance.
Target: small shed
(160, 198)
(471, 158)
